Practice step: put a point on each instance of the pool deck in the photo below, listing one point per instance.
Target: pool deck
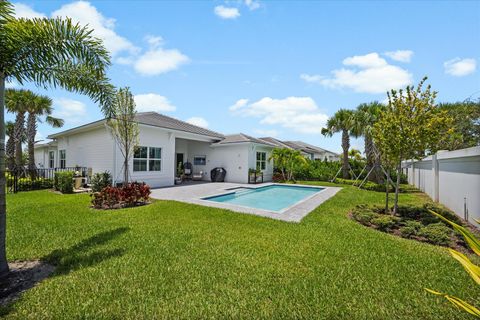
(193, 193)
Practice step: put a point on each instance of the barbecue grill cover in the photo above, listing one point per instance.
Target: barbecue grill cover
(218, 174)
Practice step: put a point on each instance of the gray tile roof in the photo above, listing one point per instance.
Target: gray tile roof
(241, 137)
(276, 142)
(160, 120)
(300, 145)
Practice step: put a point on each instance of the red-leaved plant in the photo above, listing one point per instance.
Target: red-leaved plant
(130, 195)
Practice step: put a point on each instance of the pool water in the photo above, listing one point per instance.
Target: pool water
(272, 198)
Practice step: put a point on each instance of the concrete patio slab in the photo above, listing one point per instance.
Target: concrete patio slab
(195, 194)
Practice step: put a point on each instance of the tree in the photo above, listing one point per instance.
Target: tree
(410, 128)
(365, 117)
(123, 126)
(49, 53)
(10, 147)
(355, 154)
(342, 121)
(287, 161)
(40, 107)
(466, 124)
(17, 102)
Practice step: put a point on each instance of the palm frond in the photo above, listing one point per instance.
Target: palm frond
(55, 122)
(471, 268)
(459, 303)
(59, 53)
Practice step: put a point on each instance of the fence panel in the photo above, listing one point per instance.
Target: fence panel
(26, 180)
(451, 178)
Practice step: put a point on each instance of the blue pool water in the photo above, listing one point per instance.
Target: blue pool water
(272, 198)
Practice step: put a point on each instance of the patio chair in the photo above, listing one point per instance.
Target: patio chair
(187, 170)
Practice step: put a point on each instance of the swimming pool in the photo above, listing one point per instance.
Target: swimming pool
(272, 198)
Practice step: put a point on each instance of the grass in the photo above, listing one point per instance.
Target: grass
(176, 260)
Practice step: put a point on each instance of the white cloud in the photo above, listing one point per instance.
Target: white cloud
(198, 121)
(367, 74)
(252, 4)
(153, 102)
(300, 114)
(460, 67)
(158, 61)
(103, 28)
(311, 78)
(24, 11)
(72, 111)
(266, 132)
(400, 55)
(239, 104)
(226, 12)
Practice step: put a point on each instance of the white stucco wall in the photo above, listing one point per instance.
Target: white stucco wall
(92, 149)
(455, 184)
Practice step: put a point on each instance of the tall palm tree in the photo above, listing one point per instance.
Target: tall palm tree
(342, 121)
(40, 107)
(10, 147)
(366, 116)
(49, 53)
(17, 102)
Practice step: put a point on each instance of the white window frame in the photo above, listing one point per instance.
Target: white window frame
(51, 160)
(261, 163)
(203, 160)
(62, 155)
(147, 159)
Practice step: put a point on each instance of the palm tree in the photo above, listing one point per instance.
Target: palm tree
(10, 147)
(355, 154)
(342, 121)
(366, 116)
(40, 107)
(17, 101)
(49, 53)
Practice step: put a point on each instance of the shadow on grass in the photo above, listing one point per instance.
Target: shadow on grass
(79, 255)
(26, 274)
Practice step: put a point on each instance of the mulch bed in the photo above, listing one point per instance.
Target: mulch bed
(23, 275)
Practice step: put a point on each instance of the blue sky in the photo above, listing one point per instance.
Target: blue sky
(271, 68)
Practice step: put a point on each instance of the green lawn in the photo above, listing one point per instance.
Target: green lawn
(176, 260)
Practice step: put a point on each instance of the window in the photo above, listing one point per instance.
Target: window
(155, 159)
(261, 160)
(200, 160)
(63, 159)
(147, 159)
(51, 159)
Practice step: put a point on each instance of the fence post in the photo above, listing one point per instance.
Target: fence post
(435, 178)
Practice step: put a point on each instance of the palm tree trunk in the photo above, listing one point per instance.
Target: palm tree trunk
(3, 204)
(31, 133)
(345, 146)
(10, 152)
(18, 133)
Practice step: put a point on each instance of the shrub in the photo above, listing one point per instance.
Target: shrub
(129, 195)
(101, 181)
(385, 222)
(64, 181)
(436, 233)
(364, 214)
(422, 214)
(410, 228)
(449, 215)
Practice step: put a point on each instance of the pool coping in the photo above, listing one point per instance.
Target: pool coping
(322, 189)
(294, 213)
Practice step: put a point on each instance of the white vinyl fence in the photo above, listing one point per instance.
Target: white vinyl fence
(451, 178)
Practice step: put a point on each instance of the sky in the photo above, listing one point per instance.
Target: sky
(270, 68)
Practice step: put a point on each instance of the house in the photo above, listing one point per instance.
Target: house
(163, 143)
(310, 151)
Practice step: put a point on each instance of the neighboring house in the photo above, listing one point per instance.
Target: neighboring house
(310, 151)
(163, 143)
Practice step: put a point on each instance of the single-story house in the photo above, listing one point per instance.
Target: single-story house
(163, 143)
(310, 151)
